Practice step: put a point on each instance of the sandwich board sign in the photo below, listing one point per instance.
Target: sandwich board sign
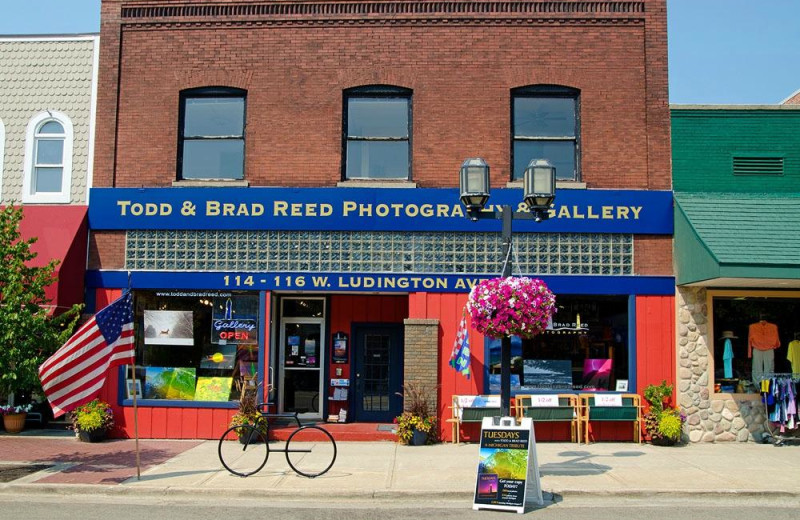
(508, 469)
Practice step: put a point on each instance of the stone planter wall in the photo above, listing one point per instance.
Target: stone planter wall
(708, 419)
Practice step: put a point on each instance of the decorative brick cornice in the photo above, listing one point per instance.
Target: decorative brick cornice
(256, 14)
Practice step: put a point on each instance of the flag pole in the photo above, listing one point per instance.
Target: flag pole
(135, 406)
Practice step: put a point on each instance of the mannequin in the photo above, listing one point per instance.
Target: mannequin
(762, 340)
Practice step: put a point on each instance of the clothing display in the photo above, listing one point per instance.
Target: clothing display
(780, 396)
(762, 340)
(793, 355)
(727, 358)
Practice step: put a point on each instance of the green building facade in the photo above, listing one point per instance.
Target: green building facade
(736, 180)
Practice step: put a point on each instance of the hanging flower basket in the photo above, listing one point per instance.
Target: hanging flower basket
(513, 306)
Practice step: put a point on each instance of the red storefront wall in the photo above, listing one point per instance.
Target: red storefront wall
(655, 358)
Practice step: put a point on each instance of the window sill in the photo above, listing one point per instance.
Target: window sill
(722, 396)
(561, 185)
(211, 183)
(376, 183)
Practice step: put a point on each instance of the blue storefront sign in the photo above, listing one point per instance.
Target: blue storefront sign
(365, 209)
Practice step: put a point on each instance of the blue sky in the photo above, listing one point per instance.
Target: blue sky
(720, 51)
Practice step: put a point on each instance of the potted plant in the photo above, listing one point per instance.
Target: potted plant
(663, 423)
(92, 421)
(14, 417)
(416, 425)
(248, 413)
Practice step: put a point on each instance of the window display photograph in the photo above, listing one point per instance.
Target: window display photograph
(195, 348)
(584, 349)
(755, 338)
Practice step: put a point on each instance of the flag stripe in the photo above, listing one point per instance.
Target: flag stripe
(76, 373)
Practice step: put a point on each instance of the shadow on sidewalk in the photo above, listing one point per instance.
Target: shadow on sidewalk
(582, 463)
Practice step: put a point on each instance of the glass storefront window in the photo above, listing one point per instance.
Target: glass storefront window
(585, 350)
(195, 348)
(754, 337)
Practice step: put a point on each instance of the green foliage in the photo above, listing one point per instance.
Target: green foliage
(28, 335)
(94, 415)
(656, 395)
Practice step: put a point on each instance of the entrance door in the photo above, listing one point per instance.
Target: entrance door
(378, 353)
(302, 356)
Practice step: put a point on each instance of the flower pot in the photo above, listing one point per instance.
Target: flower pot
(14, 422)
(97, 435)
(663, 441)
(418, 438)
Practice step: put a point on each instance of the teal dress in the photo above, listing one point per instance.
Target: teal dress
(727, 357)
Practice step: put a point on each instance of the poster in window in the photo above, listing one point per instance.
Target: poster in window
(169, 383)
(168, 328)
(596, 374)
(219, 357)
(550, 374)
(213, 389)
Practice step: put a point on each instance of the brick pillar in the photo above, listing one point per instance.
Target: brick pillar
(421, 356)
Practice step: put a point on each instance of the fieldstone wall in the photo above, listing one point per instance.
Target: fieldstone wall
(708, 419)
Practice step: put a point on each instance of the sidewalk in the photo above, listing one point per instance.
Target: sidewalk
(389, 470)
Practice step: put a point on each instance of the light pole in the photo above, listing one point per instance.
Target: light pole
(538, 192)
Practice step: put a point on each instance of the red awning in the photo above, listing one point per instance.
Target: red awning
(62, 233)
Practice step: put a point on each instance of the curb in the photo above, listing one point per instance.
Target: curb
(551, 496)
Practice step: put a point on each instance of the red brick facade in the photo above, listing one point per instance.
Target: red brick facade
(460, 59)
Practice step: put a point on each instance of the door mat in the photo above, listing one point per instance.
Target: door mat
(13, 472)
(386, 427)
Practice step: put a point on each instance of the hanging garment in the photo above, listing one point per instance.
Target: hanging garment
(793, 355)
(727, 358)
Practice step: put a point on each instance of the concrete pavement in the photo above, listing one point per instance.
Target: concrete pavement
(389, 470)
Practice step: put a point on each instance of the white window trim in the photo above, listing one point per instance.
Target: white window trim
(2, 155)
(62, 197)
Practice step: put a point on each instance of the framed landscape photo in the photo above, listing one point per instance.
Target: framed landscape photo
(129, 389)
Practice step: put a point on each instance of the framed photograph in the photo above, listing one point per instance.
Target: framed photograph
(129, 389)
(622, 385)
(168, 328)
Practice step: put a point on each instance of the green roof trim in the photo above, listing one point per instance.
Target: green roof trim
(735, 235)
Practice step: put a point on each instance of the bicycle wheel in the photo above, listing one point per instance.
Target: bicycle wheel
(243, 450)
(310, 451)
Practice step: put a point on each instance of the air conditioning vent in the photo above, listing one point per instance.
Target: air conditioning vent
(758, 165)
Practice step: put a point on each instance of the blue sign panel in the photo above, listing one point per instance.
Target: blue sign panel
(370, 209)
(193, 282)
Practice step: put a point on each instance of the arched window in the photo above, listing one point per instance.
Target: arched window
(377, 133)
(545, 124)
(48, 159)
(211, 134)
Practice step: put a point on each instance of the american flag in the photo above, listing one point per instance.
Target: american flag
(460, 358)
(75, 374)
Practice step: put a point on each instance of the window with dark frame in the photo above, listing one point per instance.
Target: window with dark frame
(377, 130)
(211, 134)
(545, 124)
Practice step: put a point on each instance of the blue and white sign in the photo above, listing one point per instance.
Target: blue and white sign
(370, 209)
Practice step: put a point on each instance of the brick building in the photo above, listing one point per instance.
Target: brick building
(283, 174)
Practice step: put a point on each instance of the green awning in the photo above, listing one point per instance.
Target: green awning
(737, 240)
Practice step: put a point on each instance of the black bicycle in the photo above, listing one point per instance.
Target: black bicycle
(244, 449)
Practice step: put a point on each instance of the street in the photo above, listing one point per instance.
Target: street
(102, 507)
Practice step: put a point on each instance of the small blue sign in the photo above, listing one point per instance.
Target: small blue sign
(370, 209)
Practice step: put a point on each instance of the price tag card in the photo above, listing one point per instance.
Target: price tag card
(608, 400)
(544, 400)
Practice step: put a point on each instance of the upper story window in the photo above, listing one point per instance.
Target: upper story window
(545, 124)
(211, 136)
(377, 130)
(47, 171)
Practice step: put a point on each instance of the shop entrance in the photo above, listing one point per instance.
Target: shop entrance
(378, 358)
(301, 356)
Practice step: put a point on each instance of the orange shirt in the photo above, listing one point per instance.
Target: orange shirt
(763, 336)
